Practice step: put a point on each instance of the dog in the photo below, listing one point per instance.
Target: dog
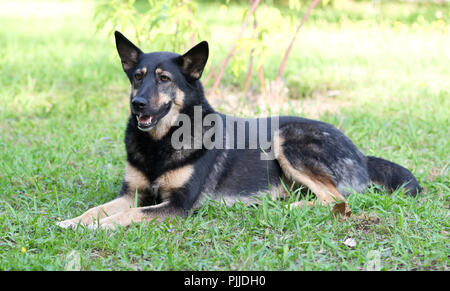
(226, 159)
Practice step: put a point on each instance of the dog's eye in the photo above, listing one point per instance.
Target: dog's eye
(138, 76)
(164, 78)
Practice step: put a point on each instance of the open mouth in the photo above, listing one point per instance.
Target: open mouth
(147, 122)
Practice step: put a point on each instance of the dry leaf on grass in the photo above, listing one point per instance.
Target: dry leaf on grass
(342, 209)
(350, 242)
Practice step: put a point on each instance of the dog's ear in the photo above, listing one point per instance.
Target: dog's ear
(193, 62)
(128, 52)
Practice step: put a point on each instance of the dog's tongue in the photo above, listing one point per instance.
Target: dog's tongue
(144, 119)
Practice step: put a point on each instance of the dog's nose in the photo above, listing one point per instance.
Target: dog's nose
(139, 103)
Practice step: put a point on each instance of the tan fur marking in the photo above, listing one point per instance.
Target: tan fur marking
(115, 206)
(133, 91)
(179, 98)
(142, 70)
(325, 191)
(162, 99)
(175, 178)
(135, 178)
(123, 218)
(169, 120)
(147, 213)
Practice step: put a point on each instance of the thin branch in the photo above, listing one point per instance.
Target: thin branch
(190, 24)
(249, 71)
(286, 55)
(250, 62)
(230, 53)
(212, 73)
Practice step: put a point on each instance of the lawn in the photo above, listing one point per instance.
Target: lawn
(381, 76)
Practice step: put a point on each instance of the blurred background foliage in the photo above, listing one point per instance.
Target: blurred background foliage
(177, 25)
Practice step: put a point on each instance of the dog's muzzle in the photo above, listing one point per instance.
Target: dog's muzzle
(146, 120)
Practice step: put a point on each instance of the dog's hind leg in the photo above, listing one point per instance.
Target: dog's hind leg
(315, 178)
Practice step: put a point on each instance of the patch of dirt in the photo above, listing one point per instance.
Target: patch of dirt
(435, 173)
(364, 222)
(275, 101)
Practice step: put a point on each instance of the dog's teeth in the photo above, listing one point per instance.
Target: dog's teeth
(150, 120)
(137, 118)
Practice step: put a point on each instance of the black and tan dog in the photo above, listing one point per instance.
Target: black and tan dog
(168, 181)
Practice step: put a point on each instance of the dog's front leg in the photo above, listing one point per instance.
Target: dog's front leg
(179, 192)
(140, 214)
(134, 183)
(115, 206)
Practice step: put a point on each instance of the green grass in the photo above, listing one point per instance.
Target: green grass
(63, 108)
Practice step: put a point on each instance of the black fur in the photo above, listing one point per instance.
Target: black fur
(392, 176)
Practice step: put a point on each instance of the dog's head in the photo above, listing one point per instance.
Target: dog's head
(160, 82)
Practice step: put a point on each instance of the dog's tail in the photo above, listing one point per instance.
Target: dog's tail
(392, 176)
